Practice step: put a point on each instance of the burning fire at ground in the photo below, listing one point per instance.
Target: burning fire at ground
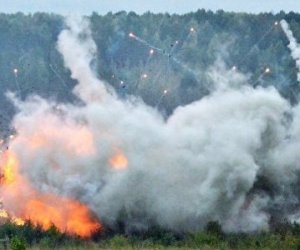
(42, 209)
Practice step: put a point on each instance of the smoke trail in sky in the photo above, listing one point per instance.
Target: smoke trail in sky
(293, 45)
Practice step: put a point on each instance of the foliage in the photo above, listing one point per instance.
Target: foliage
(118, 242)
(214, 228)
(17, 244)
(33, 234)
(212, 237)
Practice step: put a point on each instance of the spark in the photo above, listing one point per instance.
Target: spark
(267, 70)
(122, 84)
(151, 52)
(131, 35)
(234, 68)
(192, 29)
(161, 98)
(177, 42)
(144, 76)
(276, 23)
(15, 72)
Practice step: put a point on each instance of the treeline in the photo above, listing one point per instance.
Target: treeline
(185, 48)
(281, 236)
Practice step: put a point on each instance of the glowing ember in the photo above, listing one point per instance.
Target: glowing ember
(119, 161)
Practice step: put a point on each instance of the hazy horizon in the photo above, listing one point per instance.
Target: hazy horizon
(155, 6)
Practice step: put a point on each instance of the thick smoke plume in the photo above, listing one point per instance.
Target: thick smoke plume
(231, 156)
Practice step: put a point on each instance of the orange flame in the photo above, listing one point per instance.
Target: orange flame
(3, 213)
(119, 161)
(26, 203)
(18, 221)
(9, 168)
(70, 216)
(5, 216)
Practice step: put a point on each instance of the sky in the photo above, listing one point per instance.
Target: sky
(140, 6)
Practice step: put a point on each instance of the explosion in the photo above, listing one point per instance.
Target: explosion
(108, 158)
(44, 209)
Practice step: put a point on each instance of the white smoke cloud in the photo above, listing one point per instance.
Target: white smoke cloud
(201, 164)
(77, 46)
(293, 45)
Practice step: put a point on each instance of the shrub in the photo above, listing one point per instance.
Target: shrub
(17, 244)
(118, 242)
(201, 239)
(214, 228)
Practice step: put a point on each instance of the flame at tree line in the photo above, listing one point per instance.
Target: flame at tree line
(42, 209)
(22, 201)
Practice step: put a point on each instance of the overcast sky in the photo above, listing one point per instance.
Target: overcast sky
(141, 6)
